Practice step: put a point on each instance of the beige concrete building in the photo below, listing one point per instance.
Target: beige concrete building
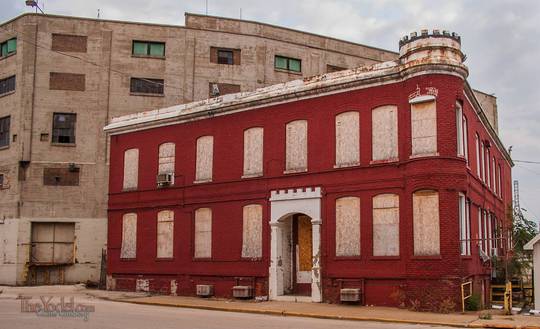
(63, 78)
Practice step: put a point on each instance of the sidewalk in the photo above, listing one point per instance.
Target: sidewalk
(328, 311)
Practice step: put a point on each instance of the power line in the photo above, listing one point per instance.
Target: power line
(527, 161)
(19, 36)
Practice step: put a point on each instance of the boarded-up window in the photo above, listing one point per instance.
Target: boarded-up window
(67, 81)
(253, 152)
(386, 225)
(69, 43)
(129, 236)
(384, 133)
(166, 158)
(216, 89)
(347, 139)
(61, 176)
(205, 157)
(296, 146)
(424, 128)
(165, 235)
(348, 226)
(252, 231)
(203, 233)
(426, 223)
(53, 243)
(131, 169)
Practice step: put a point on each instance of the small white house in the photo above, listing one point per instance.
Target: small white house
(534, 245)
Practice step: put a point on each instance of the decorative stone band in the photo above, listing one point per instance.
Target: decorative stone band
(296, 194)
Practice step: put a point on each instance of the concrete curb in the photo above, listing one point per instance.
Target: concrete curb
(327, 317)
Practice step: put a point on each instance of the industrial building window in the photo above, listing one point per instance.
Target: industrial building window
(464, 225)
(286, 63)
(203, 233)
(386, 225)
(64, 128)
(146, 86)
(424, 128)
(462, 134)
(252, 231)
(67, 81)
(53, 243)
(225, 56)
(69, 43)
(61, 176)
(8, 47)
(426, 223)
(129, 236)
(348, 226)
(253, 152)
(166, 164)
(384, 133)
(4, 131)
(165, 234)
(205, 159)
(7, 85)
(347, 139)
(296, 146)
(3, 181)
(148, 48)
(131, 169)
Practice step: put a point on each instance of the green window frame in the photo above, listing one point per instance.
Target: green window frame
(148, 48)
(8, 47)
(287, 63)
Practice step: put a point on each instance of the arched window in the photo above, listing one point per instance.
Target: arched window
(386, 225)
(203, 233)
(253, 152)
(129, 236)
(131, 169)
(426, 223)
(205, 157)
(384, 133)
(296, 146)
(347, 139)
(252, 231)
(348, 226)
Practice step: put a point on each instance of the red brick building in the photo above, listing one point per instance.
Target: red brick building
(387, 179)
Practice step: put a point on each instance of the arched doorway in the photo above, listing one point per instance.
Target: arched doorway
(294, 272)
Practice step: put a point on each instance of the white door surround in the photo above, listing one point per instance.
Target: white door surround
(284, 203)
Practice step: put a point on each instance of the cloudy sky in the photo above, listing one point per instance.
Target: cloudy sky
(500, 38)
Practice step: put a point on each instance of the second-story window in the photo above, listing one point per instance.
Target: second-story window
(289, 64)
(4, 131)
(148, 48)
(225, 56)
(424, 128)
(64, 128)
(8, 47)
(146, 86)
